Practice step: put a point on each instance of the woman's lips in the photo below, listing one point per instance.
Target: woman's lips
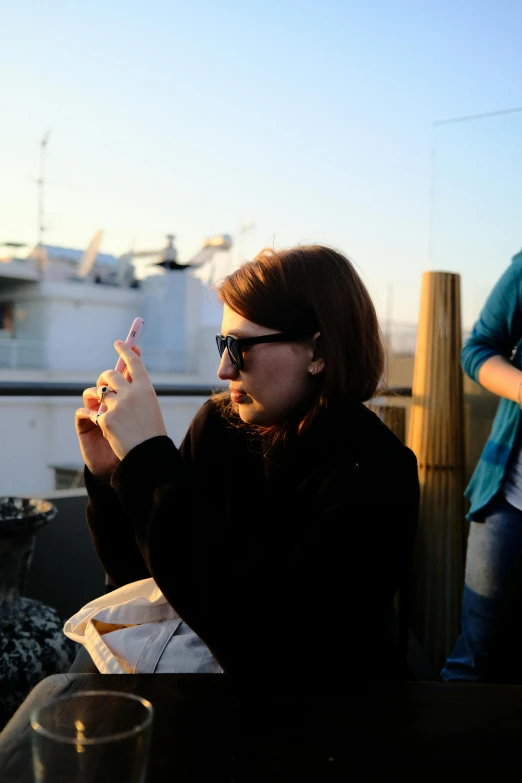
(237, 396)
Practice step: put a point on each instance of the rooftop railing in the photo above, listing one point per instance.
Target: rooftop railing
(66, 389)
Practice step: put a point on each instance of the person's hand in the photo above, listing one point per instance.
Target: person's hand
(95, 448)
(132, 413)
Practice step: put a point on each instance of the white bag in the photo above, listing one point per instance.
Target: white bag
(134, 630)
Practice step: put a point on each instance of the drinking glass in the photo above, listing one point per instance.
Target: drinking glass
(92, 737)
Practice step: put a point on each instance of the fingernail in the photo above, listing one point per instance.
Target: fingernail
(118, 342)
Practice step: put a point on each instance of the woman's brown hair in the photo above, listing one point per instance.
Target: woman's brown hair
(309, 289)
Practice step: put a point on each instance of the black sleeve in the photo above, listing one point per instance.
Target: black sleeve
(155, 465)
(113, 534)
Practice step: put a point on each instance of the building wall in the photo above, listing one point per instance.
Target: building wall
(195, 292)
(73, 325)
(164, 335)
(30, 319)
(80, 333)
(38, 433)
(208, 356)
(26, 429)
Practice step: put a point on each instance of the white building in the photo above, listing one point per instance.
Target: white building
(59, 325)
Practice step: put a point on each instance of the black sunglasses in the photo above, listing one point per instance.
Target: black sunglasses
(235, 345)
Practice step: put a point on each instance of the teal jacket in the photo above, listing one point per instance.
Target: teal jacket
(498, 331)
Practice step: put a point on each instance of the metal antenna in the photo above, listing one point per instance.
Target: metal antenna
(41, 226)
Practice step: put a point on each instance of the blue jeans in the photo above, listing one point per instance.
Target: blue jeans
(491, 608)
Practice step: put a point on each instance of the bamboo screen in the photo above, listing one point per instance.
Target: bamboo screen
(436, 435)
(393, 416)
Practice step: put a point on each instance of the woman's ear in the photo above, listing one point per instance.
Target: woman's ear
(317, 363)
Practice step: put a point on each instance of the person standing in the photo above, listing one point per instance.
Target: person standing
(491, 619)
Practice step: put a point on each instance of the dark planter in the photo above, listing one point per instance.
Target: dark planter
(32, 643)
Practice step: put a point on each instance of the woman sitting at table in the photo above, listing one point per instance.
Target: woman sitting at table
(280, 529)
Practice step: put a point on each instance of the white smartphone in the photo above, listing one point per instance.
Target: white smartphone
(132, 339)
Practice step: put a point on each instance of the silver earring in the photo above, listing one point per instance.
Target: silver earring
(311, 371)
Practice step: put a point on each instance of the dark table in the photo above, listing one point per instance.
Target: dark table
(410, 731)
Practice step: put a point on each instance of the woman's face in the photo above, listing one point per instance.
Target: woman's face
(276, 377)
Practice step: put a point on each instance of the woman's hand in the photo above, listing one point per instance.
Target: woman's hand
(95, 448)
(132, 415)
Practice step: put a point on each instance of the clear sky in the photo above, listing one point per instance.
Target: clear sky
(313, 120)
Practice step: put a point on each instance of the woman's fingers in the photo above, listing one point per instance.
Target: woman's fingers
(91, 400)
(90, 397)
(112, 378)
(117, 380)
(135, 366)
(130, 411)
(106, 394)
(85, 420)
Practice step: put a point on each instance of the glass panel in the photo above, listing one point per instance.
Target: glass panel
(476, 228)
(476, 223)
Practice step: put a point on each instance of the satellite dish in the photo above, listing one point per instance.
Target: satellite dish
(90, 256)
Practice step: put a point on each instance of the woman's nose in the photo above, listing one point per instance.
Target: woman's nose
(226, 370)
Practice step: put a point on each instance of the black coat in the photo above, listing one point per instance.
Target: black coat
(286, 566)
